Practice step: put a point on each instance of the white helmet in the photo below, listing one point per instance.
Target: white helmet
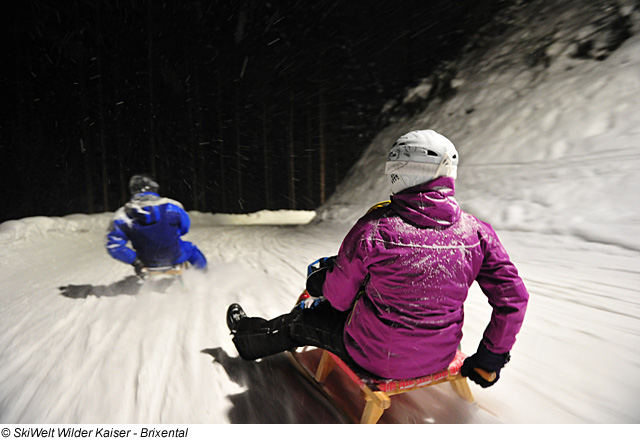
(418, 157)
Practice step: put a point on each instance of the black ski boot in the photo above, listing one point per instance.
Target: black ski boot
(234, 315)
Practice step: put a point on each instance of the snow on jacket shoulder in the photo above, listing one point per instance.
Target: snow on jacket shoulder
(417, 258)
(154, 226)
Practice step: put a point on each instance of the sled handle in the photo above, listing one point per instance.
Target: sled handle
(488, 376)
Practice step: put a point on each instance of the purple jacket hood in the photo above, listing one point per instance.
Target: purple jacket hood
(428, 205)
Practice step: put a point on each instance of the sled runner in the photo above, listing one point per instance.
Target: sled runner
(164, 270)
(317, 365)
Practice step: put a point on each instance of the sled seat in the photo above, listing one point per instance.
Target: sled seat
(376, 391)
(165, 270)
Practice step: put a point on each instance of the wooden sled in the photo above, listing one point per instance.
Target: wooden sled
(376, 392)
(165, 270)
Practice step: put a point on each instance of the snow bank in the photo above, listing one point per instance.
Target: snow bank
(14, 230)
(549, 142)
(281, 217)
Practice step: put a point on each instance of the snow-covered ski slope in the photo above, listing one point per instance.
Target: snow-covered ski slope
(549, 156)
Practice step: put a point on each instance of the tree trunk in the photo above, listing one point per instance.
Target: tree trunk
(239, 156)
(265, 153)
(192, 140)
(101, 104)
(86, 150)
(322, 148)
(310, 168)
(21, 133)
(85, 142)
(291, 158)
(123, 190)
(201, 190)
(198, 177)
(122, 179)
(152, 130)
(221, 156)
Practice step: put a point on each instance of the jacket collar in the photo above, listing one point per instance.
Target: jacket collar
(430, 204)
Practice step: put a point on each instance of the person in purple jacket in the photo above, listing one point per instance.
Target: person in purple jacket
(391, 301)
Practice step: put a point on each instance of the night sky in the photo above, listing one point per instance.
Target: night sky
(235, 106)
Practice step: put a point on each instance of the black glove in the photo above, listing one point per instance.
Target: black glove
(138, 266)
(317, 273)
(485, 360)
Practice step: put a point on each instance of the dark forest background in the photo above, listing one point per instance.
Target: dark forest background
(235, 106)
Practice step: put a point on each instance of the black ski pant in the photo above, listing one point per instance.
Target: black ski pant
(321, 326)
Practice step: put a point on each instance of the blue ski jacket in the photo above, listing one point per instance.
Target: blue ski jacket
(153, 225)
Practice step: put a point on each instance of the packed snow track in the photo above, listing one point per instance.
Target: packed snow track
(82, 341)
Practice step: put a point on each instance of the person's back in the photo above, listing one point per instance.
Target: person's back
(154, 225)
(422, 254)
(395, 291)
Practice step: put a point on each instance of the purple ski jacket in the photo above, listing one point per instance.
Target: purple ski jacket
(416, 258)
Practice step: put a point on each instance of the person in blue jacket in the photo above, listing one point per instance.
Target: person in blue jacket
(154, 225)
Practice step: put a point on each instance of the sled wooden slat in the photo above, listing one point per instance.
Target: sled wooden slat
(169, 270)
(377, 392)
